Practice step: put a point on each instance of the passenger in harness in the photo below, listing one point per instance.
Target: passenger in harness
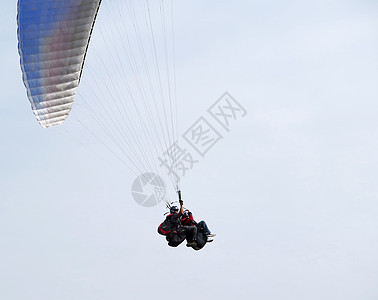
(204, 234)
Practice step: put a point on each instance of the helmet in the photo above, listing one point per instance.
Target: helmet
(173, 209)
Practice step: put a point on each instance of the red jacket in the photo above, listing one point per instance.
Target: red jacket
(188, 221)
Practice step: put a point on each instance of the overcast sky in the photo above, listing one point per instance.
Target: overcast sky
(291, 190)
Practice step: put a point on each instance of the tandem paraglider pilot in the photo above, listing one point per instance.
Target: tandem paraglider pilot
(180, 225)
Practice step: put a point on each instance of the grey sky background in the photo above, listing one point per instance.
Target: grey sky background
(291, 190)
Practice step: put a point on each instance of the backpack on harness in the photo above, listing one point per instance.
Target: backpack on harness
(166, 227)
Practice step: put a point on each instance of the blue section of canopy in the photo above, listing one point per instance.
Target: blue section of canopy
(37, 20)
